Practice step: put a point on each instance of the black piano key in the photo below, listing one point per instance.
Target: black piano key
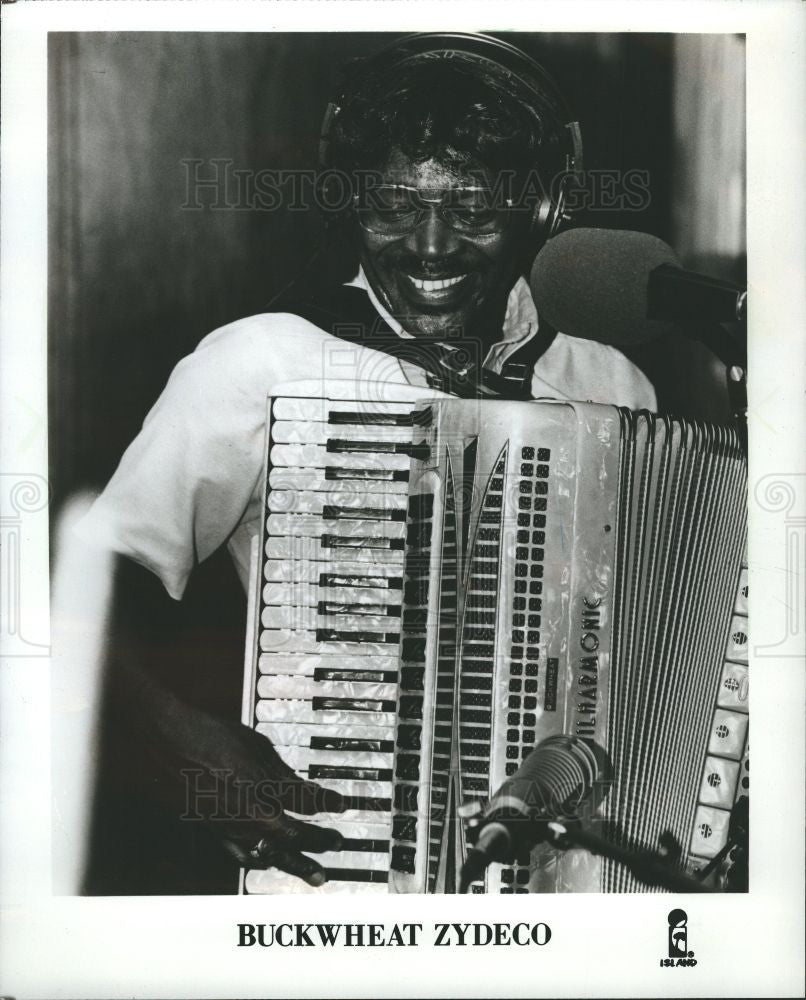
(354, 580)
(334, 512)
(369, 475)
(348, 743)
(355, 844)
(405, 798)
(403, 859)
(361, 542)
(367, 803)
(348, 446)
(355, 875)
(409, 737)
(376, 419)
(339, 635)
(318, 772)
(405, 828)
(340, 608)
(412, 678)
(407, 767)
(365, 676)
(352, 705)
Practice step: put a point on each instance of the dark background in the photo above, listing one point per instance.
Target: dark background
(136, 280)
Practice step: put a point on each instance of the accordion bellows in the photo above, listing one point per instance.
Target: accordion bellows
(442, 586)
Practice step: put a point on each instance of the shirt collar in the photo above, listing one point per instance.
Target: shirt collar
(520, 321)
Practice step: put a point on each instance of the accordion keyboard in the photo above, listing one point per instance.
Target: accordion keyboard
(328, 618)
(443, 586)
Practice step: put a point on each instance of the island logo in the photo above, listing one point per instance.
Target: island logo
(677, 941)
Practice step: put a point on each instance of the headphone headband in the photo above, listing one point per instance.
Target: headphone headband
(521, 73)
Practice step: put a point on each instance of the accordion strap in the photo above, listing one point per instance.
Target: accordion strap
(346, 312)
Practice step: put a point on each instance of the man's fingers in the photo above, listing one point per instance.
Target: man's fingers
(297, 864)
(262, 856)
(306, 797)
(307, 837)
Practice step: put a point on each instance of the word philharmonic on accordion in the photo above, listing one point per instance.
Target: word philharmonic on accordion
(443, 586)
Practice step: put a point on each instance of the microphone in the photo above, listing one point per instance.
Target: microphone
(553, 782)
(623, 288)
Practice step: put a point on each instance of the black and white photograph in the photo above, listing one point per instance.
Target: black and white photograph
(400, 501)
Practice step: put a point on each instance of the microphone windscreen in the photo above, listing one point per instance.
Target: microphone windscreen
(592, 283)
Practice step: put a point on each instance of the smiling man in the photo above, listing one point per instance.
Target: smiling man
(457, 152)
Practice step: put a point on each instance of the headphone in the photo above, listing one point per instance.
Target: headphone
(521, 75)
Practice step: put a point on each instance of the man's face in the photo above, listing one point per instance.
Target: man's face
(437, 281)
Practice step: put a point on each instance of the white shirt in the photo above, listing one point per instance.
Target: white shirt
(192, 478)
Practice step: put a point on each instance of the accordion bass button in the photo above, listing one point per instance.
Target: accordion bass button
(710, 831)
(728, 734)
(733, 688)
(719, 782)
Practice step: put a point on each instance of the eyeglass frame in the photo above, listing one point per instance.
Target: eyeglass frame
(421, 209)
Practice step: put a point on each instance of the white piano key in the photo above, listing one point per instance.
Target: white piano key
(301, 758)
(314, 526)
(350, 787)
(299, 734)
(269, 686)
(297, 571)
(316, 432)
(283, 478)
(299, 711)
(361, 824)
(286, 501)
(361, 860)
(301, 617)
(317, 456)
(271, 882)
(310, 594)
(297, 641)
(279, 663)
(307, 548)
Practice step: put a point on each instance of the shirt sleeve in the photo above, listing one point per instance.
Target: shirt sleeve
(578, 369)
(189, 477)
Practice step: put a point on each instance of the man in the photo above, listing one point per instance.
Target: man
(441, 141)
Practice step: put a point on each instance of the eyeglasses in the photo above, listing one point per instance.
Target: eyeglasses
(396, 209)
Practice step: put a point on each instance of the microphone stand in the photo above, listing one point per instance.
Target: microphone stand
(650, 867)
(731, 349)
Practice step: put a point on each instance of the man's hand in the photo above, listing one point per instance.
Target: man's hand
(234, 780)
(230, 778)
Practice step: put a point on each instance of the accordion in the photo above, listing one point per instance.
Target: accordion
(443, 585)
